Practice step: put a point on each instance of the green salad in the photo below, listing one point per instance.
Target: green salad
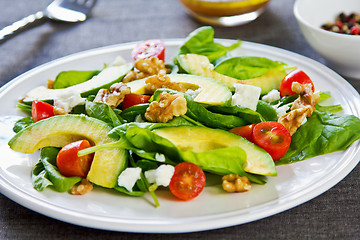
(139, 126)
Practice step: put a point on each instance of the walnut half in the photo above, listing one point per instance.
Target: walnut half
(113, 97)
(161, 80)
(82, 188)
(235, 183)
(166, 108)
(144, 68)
(302, 107)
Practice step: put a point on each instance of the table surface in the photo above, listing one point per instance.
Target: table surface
(333, 215)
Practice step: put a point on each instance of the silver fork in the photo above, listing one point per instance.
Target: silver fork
(58, 10)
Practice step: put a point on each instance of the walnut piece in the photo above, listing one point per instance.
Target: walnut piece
(80, 189)
(235, 183)
(50, 84)
(59, 111)
(302, 107)
(113, 97)
(161, 80)
(144, 68)
(166, 108)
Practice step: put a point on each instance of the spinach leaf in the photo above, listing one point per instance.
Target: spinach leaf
(69, 78)
(131, 113)
(247, 67)
(199, 113)
(22, 123)
(25, 107)
(103, 112)
(47, 174)
(331, 108)
(176, 121)
(323, 133)
(201, 41)
(266, 111)
(248, 115)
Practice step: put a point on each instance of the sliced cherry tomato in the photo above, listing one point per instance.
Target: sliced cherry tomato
(41, 110)
(134, 99)
(188, 181)
(149, 48)
(244, 131)
(273, 137)
(294, 76)
(68, 162)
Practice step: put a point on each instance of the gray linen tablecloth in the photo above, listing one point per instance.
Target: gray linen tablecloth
(332, 215)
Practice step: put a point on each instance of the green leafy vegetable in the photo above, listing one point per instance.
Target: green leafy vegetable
(266, 111)
(201, 41)
(103, 112)
(248, 115)
(46, 174)
(247, 67)
(24, 107)
(323, 133)
(22, 123)
(132, 112)
(69, 78)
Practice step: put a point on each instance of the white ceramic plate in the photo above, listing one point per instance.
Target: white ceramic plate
(107, 209)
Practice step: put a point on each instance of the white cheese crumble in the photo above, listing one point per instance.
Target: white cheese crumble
(193, 93)
(246, 96)
(160, 157)
(128, 178)
(280, 111)
(272, 96)
(67, 100)
(161, 176)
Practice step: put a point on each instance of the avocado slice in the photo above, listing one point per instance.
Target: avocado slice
(211, 91)
(200, 65)
(104, 79)
(200, 139)
(60, 130)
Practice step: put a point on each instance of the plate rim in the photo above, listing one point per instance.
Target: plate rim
(232, 219)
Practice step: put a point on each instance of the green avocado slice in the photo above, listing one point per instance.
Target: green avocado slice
(60, 130)
(199, 139)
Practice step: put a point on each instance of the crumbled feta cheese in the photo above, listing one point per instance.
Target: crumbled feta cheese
(272, 96)
(119, 60)
(67, 100)
(160, 157)
(128, 178)
(151, 175)
(193, 93)
(164, 174)
(246, 96)
(161, 176)
(280, 111)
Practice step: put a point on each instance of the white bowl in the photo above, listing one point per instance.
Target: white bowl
(341, 51)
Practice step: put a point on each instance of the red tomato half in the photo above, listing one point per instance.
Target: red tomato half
(68, 162)
(134, 99)
(148, 49)
(244, 131)
(294, 76)
(188, 181)
(41, 110)
(273, 137)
